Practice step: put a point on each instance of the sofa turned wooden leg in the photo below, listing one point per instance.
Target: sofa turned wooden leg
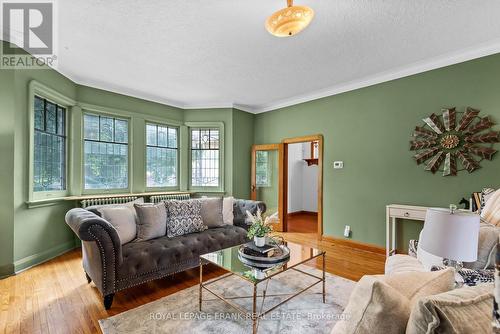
(88, 278)
(108, 300)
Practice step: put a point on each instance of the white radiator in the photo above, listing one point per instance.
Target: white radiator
(108, 200)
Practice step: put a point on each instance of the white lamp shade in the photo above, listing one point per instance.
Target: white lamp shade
(452, 236)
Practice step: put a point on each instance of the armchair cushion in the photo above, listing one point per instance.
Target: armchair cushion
(382, 304)
(400, 263)
(464, 310)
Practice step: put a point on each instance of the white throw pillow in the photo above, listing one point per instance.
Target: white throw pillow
(427, 259)
(227, 210)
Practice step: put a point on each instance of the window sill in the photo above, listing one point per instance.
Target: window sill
(38, 203)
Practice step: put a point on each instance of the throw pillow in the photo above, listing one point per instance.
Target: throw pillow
(491, 210)
(152, 221)
(123, 219)
(184, 217)
(227, 210)
(488, 238)
(382, 304)
(211, 212)
(464, 310)
(486, 194)
(472, 277)
(97, 209)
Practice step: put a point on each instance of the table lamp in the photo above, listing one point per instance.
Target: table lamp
(452, 235)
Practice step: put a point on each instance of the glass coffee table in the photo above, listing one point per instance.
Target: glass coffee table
(228, 260)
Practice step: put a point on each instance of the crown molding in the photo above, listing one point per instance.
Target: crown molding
(464, 55)
(412, 69)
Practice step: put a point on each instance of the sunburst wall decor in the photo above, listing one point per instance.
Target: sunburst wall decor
(460, 146)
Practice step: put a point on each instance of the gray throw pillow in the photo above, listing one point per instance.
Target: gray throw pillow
(211, 212)
(184, 217)
(152, 221)
(488, 239)
(123, 219)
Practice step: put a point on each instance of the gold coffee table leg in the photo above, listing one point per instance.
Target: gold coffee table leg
(201, 286)
(254, 310)
(324, 292)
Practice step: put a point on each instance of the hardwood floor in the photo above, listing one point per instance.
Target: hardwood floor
(302, 222)
(54, 297)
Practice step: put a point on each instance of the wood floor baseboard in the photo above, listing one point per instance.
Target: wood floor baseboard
(355, 244)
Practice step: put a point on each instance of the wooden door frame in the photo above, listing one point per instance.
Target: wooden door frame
(303, 139)
(253, 187)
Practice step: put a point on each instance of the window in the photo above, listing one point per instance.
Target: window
(205, 158)
(49, 169)
(161, 156)
(105, 152)
(262, 169)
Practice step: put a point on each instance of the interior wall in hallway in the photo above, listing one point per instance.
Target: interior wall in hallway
(302, 179)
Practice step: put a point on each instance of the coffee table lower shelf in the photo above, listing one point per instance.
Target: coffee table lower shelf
(256, 315)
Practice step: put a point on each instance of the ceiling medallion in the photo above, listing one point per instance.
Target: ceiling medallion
(289, 21)
(441, 139)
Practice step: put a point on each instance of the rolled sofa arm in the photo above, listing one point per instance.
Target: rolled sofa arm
(240, 207)
(100, 239)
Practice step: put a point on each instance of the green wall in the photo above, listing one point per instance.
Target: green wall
(243, 132)
(29, 236)
(369, 130)
(6, 171)
(39, 233)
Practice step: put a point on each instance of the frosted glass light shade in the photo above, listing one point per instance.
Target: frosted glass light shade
(449, 235)
(289, 21)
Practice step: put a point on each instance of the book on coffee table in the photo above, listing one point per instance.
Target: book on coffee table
(265, 251)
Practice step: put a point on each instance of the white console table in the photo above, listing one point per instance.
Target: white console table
(395, 212)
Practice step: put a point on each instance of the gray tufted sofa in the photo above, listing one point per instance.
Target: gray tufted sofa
(114, 267)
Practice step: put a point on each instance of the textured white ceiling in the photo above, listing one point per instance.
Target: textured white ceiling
(217, 53)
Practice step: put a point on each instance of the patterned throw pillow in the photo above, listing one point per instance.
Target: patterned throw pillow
(471, 277)
(184, 217)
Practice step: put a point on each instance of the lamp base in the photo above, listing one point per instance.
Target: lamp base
(457, 265)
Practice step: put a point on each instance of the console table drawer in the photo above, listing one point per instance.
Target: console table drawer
(408, 213)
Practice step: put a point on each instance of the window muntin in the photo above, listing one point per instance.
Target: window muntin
(262, 169)
(49, 146)
(105, 152)
(161, 156)
(205, 157)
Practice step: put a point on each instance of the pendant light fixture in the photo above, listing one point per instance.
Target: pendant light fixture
(290, 20)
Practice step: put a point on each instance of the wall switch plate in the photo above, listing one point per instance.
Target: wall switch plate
(338, 164)
(347, 231)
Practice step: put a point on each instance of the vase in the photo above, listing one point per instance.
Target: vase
(259, 241)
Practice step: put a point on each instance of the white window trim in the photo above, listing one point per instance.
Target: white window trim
(178, 176)
(212, 125)
(41, 90)
(105, 113)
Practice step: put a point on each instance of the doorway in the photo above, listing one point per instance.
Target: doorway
(303, 185)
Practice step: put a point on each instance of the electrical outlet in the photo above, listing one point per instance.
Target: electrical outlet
(347, 231)
(338, 164)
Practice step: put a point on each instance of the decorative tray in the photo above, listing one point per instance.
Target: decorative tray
(281, 255)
